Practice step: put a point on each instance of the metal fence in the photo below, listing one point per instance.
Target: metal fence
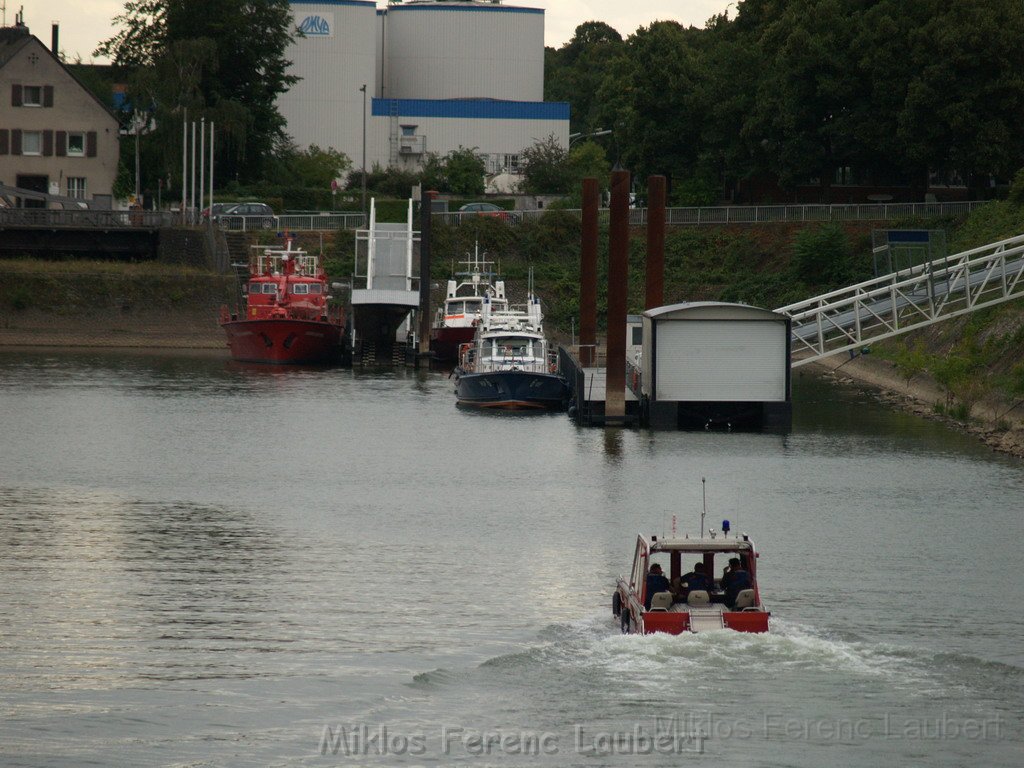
(749, 214)
(319, 222)
(302, 222)
(85, 219)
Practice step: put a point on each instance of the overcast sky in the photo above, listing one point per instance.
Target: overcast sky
(83, 23)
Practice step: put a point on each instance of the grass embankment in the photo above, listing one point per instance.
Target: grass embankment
(97, 303)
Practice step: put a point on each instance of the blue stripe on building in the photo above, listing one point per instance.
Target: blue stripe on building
(333, 2)
(476, 8)
(488, 109)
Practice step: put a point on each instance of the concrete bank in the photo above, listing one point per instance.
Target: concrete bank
(995, 422)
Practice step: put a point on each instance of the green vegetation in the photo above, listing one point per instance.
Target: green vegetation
(800, 90)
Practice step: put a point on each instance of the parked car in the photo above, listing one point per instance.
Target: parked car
(249, 215)
(216, 209)
(488, 209)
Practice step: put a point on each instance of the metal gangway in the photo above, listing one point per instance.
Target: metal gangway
(889, 305)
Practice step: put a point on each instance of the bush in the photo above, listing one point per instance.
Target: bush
(822, 255)
(1016, 194)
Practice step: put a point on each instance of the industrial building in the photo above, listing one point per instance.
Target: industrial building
(438, 74)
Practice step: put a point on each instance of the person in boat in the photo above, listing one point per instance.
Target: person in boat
(696, 579)
(739, 579)
(656, 582)
(733, 564)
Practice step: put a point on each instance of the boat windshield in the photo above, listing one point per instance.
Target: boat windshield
(513, 346)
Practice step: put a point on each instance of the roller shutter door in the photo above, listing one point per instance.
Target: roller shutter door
(721, 361)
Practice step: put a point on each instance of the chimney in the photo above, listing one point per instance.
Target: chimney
(55, 38)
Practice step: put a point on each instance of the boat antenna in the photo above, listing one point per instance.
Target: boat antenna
(704, 509)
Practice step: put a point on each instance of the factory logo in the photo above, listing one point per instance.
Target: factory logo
(318, 25)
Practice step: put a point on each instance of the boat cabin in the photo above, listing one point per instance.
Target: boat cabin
(700, 587)
(285, 283)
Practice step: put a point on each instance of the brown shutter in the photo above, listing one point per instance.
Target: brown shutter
(15, 95)
(47, 143)
(90, 144)
(15, 141)
(47, 95)
(3, 141)
(62, 143)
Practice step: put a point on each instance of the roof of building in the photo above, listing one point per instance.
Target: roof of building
(706, 310)
(14, 39)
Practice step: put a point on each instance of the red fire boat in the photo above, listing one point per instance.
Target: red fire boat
(287, 319)
(695, 601)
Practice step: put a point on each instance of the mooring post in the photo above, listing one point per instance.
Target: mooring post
(618, 291)
(426, 209)
(655, 278)
(588, 274)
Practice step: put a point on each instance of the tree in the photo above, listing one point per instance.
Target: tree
(239, 69)
(315, 167)
(460, 172)
(545, 168)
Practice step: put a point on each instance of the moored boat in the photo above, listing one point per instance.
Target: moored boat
(287, 318)
(457, 319)
(510, 365)
(647, 601)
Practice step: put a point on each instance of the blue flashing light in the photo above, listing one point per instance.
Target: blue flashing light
(725, 526)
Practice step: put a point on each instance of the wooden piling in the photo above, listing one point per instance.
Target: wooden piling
(588, 274)
(618, 290)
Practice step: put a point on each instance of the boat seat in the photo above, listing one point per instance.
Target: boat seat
(661, 601)
(744, 599)
(698, 597)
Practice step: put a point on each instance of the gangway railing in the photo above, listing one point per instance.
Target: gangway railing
(890, 305)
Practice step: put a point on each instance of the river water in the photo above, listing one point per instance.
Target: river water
(203, 564)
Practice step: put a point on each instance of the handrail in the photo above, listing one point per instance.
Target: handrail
(751, 214)
(889, 305)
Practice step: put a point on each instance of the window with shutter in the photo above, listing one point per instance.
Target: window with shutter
(15, 141)
(47, 143)
(90, 144)
(47, 95)
(76, 144)
(62, 143)
(15, 95)
(3, 141)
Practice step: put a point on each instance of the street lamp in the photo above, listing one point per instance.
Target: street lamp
(363, 89)
(574, 137)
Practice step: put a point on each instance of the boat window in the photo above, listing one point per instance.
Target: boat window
(300, 288)
(512, 346)
(316, 288)
(269, 288)
(455, 307)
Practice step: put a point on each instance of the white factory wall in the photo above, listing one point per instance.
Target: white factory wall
(412, 128)
(335, 58)
(460, 50)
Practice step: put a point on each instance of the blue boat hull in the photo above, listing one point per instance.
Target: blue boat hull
(511, 390)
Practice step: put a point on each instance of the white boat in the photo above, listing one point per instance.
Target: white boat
(509, 364)
(456, 321)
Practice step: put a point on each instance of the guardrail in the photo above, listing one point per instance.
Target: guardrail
(748, 214)
(311, 222)
(85, 219)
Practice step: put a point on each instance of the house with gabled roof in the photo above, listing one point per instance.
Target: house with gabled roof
(56, 137)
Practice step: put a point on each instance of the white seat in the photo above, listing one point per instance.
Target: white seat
(661, 601)
(698, 597)
(744, 599)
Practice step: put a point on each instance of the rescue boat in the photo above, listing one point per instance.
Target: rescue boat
(287, 318)
(510, 365)
(679, 609)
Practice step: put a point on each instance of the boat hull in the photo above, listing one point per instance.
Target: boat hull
(511, 390)
(284, 341)
(445, 342)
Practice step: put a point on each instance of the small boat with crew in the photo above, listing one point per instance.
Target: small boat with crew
(287, 318)
(510, 365)
(649, 601)
(457, 319)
